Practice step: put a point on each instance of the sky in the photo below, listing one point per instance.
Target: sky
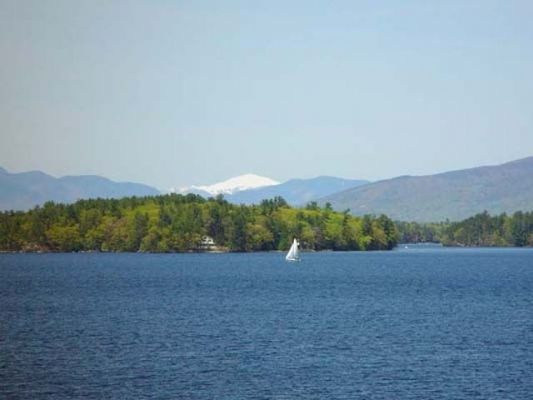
(175, 93)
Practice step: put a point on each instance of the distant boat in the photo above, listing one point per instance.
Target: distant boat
(294, 252)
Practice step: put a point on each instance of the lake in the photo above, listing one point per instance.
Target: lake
(430, 323)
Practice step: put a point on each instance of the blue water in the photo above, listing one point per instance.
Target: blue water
(409, 324)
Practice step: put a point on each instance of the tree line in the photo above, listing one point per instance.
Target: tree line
(180, 223)
(480, 230)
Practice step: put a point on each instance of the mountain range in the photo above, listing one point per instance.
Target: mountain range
(22, 191)
(451, 195)
(454, 195)
(251, 189)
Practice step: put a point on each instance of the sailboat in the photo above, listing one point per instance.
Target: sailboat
(294, 252)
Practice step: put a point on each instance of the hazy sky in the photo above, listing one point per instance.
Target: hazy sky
(172, 93)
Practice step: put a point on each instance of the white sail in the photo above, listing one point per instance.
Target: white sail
(294, 253)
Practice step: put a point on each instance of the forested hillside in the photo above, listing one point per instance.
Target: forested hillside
(177, 223)
(480, 230)
(453, 195)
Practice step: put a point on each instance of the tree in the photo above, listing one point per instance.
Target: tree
(178, 223)
(64, 238)
(137, 231)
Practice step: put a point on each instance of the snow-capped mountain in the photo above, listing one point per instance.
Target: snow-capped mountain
(252, 189)
(232, 185)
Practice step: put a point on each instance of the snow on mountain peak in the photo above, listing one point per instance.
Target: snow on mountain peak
(233, 185)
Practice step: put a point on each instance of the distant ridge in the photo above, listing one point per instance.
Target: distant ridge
(297, 192)
(451, 195)
(25, 190)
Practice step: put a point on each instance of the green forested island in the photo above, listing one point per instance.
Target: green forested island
(481, 230)
(177, 223)
(184, 223)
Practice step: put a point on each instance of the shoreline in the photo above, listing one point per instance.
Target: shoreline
(398, 248)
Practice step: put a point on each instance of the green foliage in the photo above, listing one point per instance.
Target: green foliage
(176, 223)
(64, 238)
(479, 230)
(414, 232)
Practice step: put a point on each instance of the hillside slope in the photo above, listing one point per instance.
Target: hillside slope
(451, 195)
(296, 191)
(21, 191)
